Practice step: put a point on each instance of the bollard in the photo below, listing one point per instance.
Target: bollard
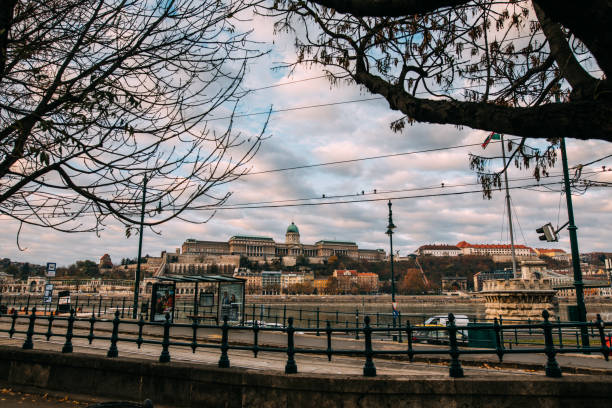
(92, 321)
(113, 351)
(328, 331)
(552, 367)
(224, 360)
(28, 344)
(164, 357)
(455, 369)
(68, 345)
(369, 370)
(605, 350)
(141, 324)
(49, 333)
(290, 367)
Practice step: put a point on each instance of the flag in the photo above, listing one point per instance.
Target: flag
(492, 136)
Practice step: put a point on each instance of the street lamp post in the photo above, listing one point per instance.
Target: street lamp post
(389, 232)
(137, 278)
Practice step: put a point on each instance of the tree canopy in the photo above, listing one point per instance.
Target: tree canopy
(100, 98)
(537, 69)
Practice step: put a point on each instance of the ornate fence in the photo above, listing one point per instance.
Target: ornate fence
(541, 333)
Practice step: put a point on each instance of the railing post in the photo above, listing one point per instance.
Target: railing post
(499, 346)
(285, 315)
(28, 344)
(356, 324)
(255, 339)
(455, 369)
(369, 370)
(328, 331)
(290, 367)
(318, 333)
(92, 321)
(224, 360)
(409, 335)
(552, 367)
(68, 345)
(49, 333)
(399, 326)
(141, 324)
(123, 308)
(560, 332)
(13, 321)
(194, 328)
(99, 305)
(164, 357)
(605, 350)
(113, 351)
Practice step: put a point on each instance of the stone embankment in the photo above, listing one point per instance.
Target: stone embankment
(189, 385)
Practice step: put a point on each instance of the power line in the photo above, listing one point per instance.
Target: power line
(383, 156)
(311, 204)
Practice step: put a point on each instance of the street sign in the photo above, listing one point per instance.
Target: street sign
(51, 269)
(48, 296)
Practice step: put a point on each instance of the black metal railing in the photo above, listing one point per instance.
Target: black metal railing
(315, 317)
(159, 334)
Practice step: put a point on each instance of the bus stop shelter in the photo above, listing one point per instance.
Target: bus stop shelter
(214, 297)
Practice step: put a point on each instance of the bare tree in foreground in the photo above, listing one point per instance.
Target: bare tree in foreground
(98, 98)
(491, 65)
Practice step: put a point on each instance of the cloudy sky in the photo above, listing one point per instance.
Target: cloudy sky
(349, 131)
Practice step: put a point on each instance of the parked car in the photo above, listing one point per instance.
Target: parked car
(441, 336)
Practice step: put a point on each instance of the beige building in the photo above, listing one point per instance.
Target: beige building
(494, 249)
(265, 248)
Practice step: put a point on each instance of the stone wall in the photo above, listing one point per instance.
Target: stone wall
(185, 385)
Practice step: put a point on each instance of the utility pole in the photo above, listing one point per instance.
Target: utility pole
(578, 284)
(137, 282)
(389, 232)
(514, 273)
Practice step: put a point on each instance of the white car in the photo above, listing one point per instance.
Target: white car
(442, 335)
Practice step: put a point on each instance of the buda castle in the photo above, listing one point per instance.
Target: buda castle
(265, 249)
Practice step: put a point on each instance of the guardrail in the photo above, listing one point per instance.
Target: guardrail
(367, 351)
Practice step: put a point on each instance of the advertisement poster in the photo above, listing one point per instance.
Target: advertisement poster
(48, 295)
(162, 301)
(231, 301)
(63, 301)
(207, 300)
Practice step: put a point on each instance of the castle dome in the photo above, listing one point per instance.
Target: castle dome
(293, 228)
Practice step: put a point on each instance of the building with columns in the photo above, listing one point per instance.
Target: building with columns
(266, 249)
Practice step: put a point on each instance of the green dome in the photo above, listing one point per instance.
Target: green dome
(293, 228)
